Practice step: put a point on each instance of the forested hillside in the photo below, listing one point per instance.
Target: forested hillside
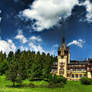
(26, 65)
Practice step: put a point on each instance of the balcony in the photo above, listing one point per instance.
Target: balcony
(77, 71)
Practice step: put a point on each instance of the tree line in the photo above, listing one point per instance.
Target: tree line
(23, 65)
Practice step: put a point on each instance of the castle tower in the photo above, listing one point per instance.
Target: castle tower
(63, 58)
(89, 69)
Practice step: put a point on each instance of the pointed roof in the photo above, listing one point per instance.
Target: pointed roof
(63, 38)
(63, 45)
(63, 33)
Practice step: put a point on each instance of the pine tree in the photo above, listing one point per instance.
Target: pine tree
(11, 73)
(3, 63)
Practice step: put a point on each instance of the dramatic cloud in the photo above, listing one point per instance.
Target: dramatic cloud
(88, 6)
(21, 37)
(48, 13)
(35, 44)
(7, 46)
(78, 43)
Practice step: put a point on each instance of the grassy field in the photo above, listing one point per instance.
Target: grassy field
(69, 87)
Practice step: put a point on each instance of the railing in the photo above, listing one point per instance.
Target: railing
(74, 71)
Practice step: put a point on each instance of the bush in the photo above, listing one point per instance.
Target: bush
(56, 81)
(86, 81)
(53, 85)
(32, 85)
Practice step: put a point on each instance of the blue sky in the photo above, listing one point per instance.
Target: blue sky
(37, 25)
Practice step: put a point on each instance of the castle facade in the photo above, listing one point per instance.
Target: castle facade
(72, 70)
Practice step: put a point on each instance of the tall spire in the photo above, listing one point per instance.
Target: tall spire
(63, 37)
(63, 34)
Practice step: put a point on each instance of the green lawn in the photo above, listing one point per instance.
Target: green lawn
(69, 87)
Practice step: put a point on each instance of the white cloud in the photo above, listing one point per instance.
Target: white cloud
(55, 46)
(48, 13)
(7, 46)
(23, 48)
(88, 6)
(35, 47)
(34, 38)
(78, 43)
(21, 37)
(12, 45)
(53, 50)
(35, 44)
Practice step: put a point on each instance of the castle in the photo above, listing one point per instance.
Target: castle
(72, 70)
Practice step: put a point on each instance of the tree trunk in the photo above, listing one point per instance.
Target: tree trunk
(13, 83)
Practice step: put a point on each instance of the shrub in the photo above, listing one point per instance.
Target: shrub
(51, 85)
(86, 81)
(60, 84)
(32, 85)
(56, 81)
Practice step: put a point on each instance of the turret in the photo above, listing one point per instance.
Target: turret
(63, 58)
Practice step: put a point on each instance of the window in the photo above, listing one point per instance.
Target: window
(76, 69)
(68, 75)
(72, 75)
(76, 75)
(80, 75)
(85, 75)
(61, 72)
(83, 69)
